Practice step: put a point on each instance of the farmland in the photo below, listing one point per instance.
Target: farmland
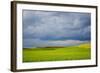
(76, 52)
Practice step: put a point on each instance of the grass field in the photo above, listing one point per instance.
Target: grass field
(78, 52)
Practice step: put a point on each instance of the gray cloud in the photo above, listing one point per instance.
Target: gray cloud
(28, 43)
(47, 25)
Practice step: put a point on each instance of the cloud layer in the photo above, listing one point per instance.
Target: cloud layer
(46, 28)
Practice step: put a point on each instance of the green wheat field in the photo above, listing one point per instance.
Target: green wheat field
(77, 52)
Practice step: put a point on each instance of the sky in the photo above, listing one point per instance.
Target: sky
(55, 28)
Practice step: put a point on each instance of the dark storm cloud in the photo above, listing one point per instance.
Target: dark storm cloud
(40, 27)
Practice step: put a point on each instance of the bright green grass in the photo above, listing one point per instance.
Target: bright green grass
(79, 52)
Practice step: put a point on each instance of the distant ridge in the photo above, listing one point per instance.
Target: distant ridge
(85, 45)
(55, 46)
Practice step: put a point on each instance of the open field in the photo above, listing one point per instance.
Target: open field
(78, 52)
